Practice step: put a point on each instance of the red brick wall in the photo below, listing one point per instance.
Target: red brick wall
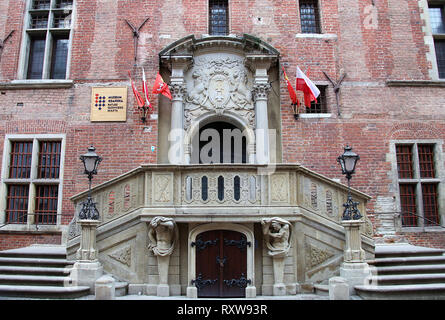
(12, 241)
(371, 113)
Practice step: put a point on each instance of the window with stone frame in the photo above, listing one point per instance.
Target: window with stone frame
(309, 16)
(46, 45)
(436, 10)
(218, 17)
(418, 184)
(32, 180)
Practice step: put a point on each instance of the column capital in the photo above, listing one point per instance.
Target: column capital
(261, 91)
(178, 90)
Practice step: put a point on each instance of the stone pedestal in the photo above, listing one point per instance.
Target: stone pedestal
(105, 288)
(87, 268)
(279, 289)
(354, 268)
(163, 289)
(192, 292)
(338, 289)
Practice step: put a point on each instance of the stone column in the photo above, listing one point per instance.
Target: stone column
(87, 269)
(261, 90)
(354, 268)
(178, 91)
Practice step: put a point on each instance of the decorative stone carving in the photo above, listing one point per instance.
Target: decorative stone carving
(249, 189)
(162, 235)
(279, 187)
(220, 84)
(122, 255)
(178, 91)
(261, 91)
(315, 256)
(277, 234)
(163, 188)
(73, 228)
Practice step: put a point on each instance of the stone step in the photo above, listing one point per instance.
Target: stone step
(405, 250)
(44, 252)
(49, 292)
(42, 262)
(406, 279)
(411, 269)
(34, 280)
(402, 292)
(408, 260)
(321, 289)
(50, 271)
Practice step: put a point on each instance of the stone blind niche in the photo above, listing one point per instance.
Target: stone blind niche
(219, 79)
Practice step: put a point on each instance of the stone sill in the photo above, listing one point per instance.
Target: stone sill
(37, 84)
(31, 229)
(415, 83)
(324, 36)
(315, 115)
(421, 229)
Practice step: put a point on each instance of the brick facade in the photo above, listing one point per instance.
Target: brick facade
(370, 51)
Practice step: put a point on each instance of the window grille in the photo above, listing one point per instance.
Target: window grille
(218, 17)
(17, 204)
(320, 106)
(309, 16)
(46, 204)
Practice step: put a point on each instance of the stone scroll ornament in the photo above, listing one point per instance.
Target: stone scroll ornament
(162, 236)
(277, 233)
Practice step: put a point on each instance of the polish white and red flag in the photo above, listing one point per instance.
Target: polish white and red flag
(145, 90)
(310, 90)
(136, 93)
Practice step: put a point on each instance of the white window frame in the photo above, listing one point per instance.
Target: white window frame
(439, 180)
(25, 46)
(32, 181)
(429, 37)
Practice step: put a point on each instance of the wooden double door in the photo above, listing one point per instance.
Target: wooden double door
(221, 264)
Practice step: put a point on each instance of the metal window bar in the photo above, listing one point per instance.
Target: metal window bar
(49, 160)
(408, 204)
(64, 4)
(309, 16)
(439, 45)
(320, 105)
(62, 20)
(39, 21)
(46, 204)
(20, 164)
(404, 161)
(430, 208)
(17, 204)
(41, 4)
(426, 160)
(437, 19)
(218, 17)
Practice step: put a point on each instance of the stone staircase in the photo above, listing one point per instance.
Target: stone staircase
(37, 272)
(403, 271)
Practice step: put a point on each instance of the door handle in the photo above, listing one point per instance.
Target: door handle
(221, 261)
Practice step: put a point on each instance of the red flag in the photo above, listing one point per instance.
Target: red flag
(161, 87)
(292, 94)
(310, 90)
(145, 90)
(137, 95)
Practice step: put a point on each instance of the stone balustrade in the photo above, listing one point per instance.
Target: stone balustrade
(222, 192)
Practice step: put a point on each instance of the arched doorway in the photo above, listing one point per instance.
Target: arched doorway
(221, 264)
(219, 142)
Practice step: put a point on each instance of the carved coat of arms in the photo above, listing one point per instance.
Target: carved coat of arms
(219, 85)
